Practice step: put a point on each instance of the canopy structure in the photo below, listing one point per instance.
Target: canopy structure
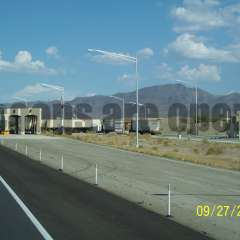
(21, 120)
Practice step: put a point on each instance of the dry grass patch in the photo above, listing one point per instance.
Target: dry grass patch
(214, 150)
(202, 152)
(196, 150)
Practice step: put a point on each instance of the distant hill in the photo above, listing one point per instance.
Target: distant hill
(162, 96)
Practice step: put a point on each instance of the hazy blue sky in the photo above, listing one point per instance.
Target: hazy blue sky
(47, 41)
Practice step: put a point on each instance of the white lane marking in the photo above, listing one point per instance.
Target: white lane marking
(35, 222)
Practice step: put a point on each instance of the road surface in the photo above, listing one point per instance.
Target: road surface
(14, 223)
(144, 179)
(72, 209)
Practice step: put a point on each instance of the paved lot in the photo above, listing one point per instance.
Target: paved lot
(72, 209)
(144, 180)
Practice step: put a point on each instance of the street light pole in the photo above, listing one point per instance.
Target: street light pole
(22, 99)
(196, 105)
(133, 60)
(60, 89)
(123, 110)
(137, 120)
(196, 110)
(123, 114)
(63, 112)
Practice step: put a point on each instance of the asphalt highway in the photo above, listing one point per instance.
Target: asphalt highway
(69, 208)
(14, 222)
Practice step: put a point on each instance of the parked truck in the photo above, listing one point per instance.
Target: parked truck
(147, 126)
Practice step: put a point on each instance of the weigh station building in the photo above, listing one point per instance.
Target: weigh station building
(34, 120)
(21, 120)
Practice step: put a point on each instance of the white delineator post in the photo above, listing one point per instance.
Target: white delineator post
(169, 201)
(96, 174)
(40, 155)
(26, 150)
(16, 146)
(61, 163)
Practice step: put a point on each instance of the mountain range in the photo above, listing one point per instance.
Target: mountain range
(162, 96)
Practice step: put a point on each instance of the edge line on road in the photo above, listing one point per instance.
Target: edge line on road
(29, 214)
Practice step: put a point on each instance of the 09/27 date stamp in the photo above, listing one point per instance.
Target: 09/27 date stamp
(218, 210)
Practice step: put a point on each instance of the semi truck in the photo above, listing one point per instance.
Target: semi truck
(152, 126)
